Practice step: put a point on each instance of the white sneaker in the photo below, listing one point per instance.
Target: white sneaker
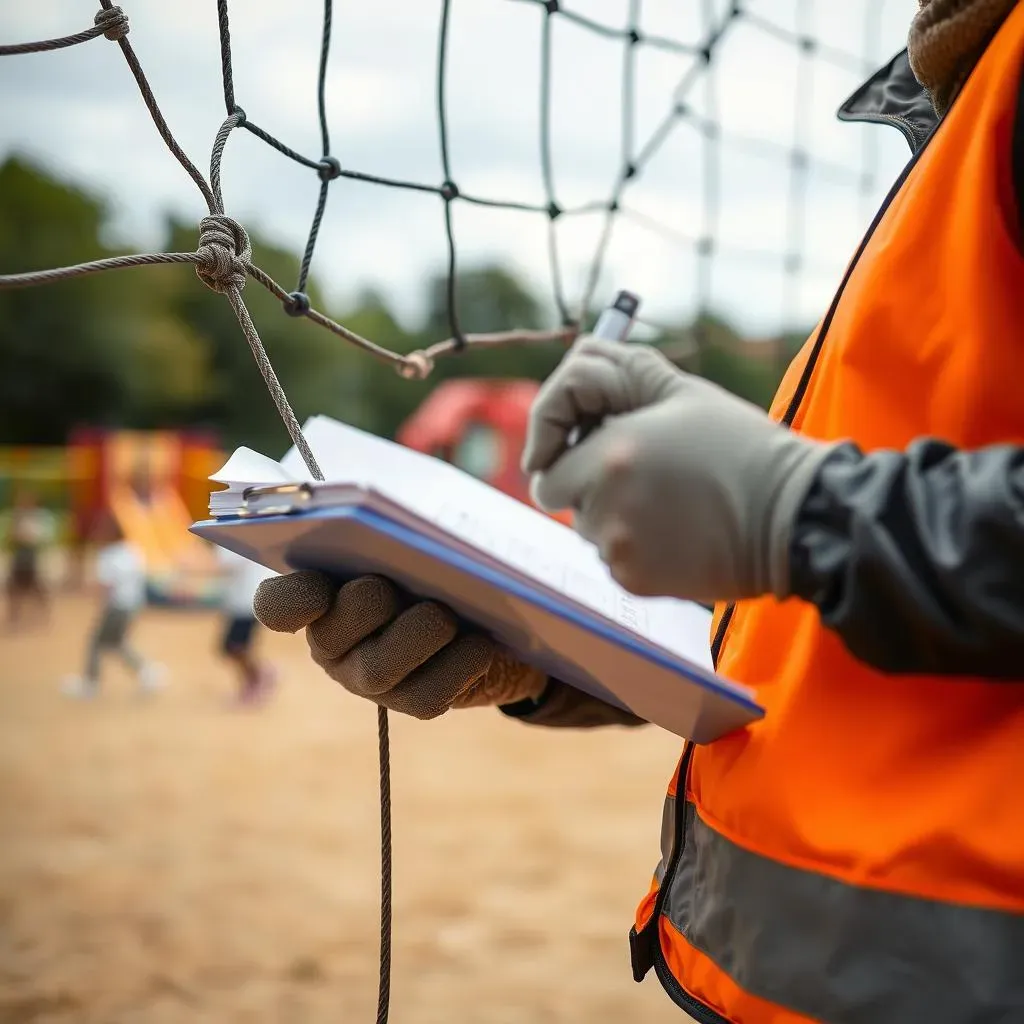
(79, 688)
(152, 677)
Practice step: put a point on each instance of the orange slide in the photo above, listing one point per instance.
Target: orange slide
(159, 528)
(143, 493)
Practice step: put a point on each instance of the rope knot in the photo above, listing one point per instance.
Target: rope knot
(113, 21)
(223, 253)
(415, 366)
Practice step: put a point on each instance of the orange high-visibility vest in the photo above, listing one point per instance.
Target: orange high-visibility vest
(858, 855)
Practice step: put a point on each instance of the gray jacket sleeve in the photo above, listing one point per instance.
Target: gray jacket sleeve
(916, 559)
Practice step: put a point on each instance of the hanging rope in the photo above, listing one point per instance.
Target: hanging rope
(223, 255)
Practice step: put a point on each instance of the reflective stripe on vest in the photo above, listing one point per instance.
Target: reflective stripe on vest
(858, 855)
(835, 952)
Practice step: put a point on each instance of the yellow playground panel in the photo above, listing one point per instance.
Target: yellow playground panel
(155, 485)
(144, 496)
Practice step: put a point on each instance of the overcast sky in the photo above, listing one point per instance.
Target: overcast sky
(79, 111)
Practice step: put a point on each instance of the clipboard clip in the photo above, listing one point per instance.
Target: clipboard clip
(301, 495)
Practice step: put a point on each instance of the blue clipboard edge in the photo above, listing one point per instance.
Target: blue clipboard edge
(598, 627)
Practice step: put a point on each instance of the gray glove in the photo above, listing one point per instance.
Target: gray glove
(413, 659)
(686, 490)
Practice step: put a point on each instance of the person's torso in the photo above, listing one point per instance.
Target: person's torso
(857, 785)
(242, 579)
(28, 530)
(121, 567)
(927, 339)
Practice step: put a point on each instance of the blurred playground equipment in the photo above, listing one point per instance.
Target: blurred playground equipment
(478, 425)
(153, 483)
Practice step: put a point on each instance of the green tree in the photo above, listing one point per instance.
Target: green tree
(488, 298)
(381, 398)
(57, 348)
(153, 347)
(711, 346)
(320, 372)
(146, 347)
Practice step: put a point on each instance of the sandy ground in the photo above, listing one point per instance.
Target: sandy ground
(172, 860)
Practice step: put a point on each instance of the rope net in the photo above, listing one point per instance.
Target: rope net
(223, 261)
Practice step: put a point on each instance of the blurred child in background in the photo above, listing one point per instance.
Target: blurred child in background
(241, 578)
(31, 528)
(121, 574)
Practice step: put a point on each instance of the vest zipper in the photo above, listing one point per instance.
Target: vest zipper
(819, 342)
(696, 1009)
(676, 991)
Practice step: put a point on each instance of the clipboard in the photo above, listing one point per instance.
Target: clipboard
(285, 529)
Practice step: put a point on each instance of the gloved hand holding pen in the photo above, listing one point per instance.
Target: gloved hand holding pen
(410, 656)
(686, 490)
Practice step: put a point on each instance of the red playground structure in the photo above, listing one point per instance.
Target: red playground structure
(478, 425)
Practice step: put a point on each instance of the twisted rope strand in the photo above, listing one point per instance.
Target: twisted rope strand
(110, 22)
(32, 278)
(384, 761)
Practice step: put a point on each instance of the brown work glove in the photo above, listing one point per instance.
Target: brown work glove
(410, 658)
